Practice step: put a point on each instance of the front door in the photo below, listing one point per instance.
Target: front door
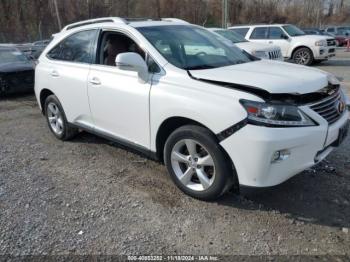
(279, 38)
(119, 102)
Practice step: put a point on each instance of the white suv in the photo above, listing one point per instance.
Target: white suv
(264, 51)
(218, 118)
(295, 44)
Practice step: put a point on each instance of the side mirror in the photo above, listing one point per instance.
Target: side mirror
(133, 62)
(283, 36)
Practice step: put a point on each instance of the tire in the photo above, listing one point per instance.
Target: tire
(317, 62)
(303, 56)
(57, 121)
(206, 172)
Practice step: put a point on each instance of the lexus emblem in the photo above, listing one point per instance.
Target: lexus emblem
(340, 107)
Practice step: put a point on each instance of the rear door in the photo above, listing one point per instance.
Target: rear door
(67, 69)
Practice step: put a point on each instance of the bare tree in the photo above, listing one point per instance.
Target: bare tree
(27, 20)
(57, 14)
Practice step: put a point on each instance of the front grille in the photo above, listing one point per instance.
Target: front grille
(331, 42)
(331, 108)
(274, 55)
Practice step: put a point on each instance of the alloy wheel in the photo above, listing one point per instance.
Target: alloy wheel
(302, 57)
(193, 165)
(55, 118)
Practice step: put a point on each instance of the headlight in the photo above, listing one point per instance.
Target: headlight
(276, 115)
(261, 54)
(332, 79)
(321, 43)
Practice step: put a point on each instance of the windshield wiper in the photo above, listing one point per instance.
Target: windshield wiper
(199, 67)
(240, 62)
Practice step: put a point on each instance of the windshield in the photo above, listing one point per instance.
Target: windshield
(293, 30)
(232, 36)
(343, 32)
(192, 47)
(344, 28)
(12, 56)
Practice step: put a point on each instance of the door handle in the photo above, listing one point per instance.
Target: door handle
(54, 73)
(270, 42)
(95, 81)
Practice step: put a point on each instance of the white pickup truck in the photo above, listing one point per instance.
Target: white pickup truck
(295, 44)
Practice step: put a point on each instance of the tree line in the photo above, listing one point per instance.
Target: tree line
(31, 20)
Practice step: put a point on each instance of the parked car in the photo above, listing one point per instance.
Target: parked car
(340, 40)
(218, 120)
(38, 47)
(25, 48)
(42, 42)
(263, 51)
(295, 44)
(16, 71)
(338, 30)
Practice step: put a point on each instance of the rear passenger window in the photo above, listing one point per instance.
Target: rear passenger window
(75, 48)
(330, 30)
(241, 31)
(260, 33)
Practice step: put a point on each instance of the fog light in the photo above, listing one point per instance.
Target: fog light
(280, 155)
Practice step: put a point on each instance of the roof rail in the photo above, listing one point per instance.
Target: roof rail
(95, 21)
(175, 20)
(119, 20)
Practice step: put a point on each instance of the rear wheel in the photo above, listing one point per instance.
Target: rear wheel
(197, 164)
(303, 56)
(56, 119)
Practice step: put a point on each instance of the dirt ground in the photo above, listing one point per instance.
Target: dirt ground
(91, 196)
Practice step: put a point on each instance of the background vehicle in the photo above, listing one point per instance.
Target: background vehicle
(25, 48)
(16, 71)
(38, 47)
(263, 51)
(295, 44)
(340, 40)
(215, 115)
(338, 30)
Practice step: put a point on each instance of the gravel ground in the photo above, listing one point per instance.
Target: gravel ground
(91, 196)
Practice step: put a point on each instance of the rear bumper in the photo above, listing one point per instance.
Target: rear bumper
(252, 148)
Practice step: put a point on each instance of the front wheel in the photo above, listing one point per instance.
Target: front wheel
(303, 56)
(197, 164)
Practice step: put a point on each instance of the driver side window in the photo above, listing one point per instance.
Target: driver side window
(112, 44)
(276, 33)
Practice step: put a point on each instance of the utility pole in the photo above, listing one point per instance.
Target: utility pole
(224, 13)
(57, 14)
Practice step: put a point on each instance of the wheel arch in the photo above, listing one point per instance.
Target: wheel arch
(167, 127)
(171, 124)
(45, 93)
(299, 47)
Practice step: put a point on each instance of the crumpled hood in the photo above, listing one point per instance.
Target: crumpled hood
(16, 67)
(272, 76)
